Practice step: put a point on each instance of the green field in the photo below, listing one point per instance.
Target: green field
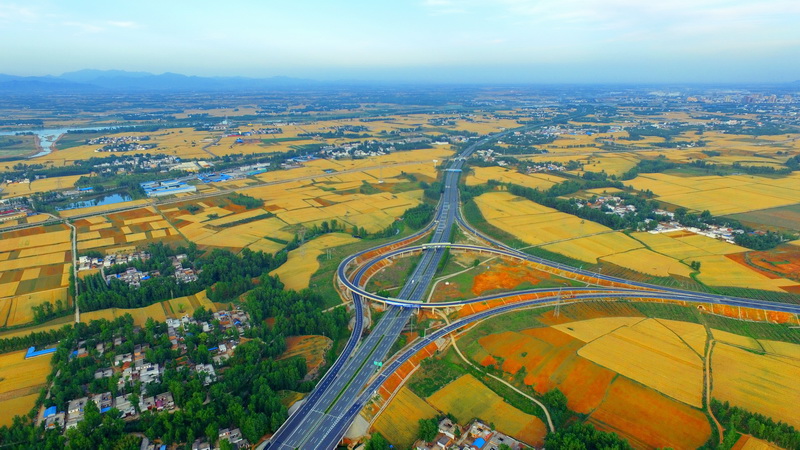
(785, 217)
(16, 146)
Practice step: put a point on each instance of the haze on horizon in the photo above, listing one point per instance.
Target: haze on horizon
(493, 41)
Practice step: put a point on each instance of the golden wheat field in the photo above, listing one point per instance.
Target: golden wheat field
(20, 382)
(650, 353)
(399, 421)
(765, 384)
(485, 404)
(34, 268)
(593, 247)
(296, 272)
(718, 270)
(647, 261)
(721, 195)
(480, 175)
(531, 222)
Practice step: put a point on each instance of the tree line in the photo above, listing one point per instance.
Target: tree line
(229, 274)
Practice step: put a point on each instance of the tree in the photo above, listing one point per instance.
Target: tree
(212, 433)
(377, 442)
(428, 428)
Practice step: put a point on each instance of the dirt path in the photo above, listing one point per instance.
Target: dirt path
(710, 342)
(75, 269)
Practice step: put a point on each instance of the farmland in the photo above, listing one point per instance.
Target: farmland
(296, 272)
(124, 230)
(311, 348)
(764, 384)
(533, 223)
(38, 186)
(34, 268)
(483, 403)
(639, 376)
(174, 308)
(480, 175)
(667, 254)
(399, 421)
(721, 195)
(20, 382)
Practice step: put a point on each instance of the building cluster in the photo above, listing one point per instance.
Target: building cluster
(611, 205)
(7, 214)
(192, 166)
(544, 167)
(233, 436)
(115, 140)
(166, 187)
(182, 274)
(134, 277)
(713, 231)
(87, 263)
(121, 143)
(131, 369)
(476, 436)
(255, 132)
(234, 174)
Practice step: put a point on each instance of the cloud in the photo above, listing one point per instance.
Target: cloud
(85, 27)
(123, 24)
(443, 7)
(17, 13)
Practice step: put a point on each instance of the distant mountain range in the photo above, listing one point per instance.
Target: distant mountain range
(119, 80)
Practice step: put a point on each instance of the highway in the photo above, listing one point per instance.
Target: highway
(320, 417)
(331, 407)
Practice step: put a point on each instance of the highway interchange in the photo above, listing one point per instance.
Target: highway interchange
(327, 412)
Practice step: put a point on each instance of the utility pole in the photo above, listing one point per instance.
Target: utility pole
(557, 312)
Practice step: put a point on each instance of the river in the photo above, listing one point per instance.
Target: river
(49, 136)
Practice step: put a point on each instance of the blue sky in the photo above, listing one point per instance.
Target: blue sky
(415, 40)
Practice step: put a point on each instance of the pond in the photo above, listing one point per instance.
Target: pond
(98, 201)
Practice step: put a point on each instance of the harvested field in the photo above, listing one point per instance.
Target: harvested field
(549, 359)
(650, 353)
(485, 404)
(649, 419)
(781, 261)
(398, 423)
(765, 384)
(312, 348)
(302, 262)
(507, 275)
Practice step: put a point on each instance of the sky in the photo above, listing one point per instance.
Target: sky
(460, 41)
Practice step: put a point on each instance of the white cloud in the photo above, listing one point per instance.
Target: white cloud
(443, 7)
(123, 24)
(17, 13)
(85, 27)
